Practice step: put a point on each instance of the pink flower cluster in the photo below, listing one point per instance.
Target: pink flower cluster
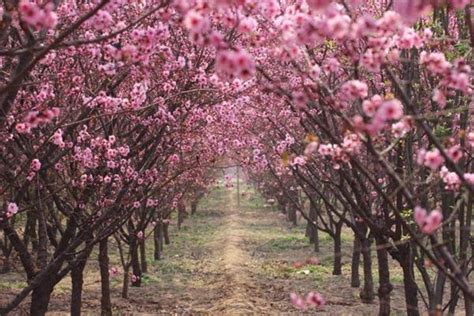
(318, 4)
(134, 278)
(35, 118)
(102, 20)
(428, 223)
(451, 179)
(57, 138)
(354, 89)
(383, 112)
(351, 145)
(313, 299)
(236, 63)
(37, 17)
(12, 209)
(35, 166)
(113, 272)
(454, 75)
(431, 159)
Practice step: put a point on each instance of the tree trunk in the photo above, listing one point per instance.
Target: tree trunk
(77, 278)
(135, 260)
(181, 213)
(385, 287)
(367, 294)
(40, 298)
(312, 229)
(437, 298)
(143, 256)
(355, 276)
(337, 266)
(166, 234)
(126, 281)
(194, 205)
(158, 240)
(292, 215)
(105, 302)
(411, 294)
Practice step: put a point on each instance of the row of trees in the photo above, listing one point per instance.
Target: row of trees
(104, 132)
(371, 119)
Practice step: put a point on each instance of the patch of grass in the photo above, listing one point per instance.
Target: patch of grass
(288, 242)
(12, 285)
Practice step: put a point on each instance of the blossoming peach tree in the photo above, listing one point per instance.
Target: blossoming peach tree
(112, 113)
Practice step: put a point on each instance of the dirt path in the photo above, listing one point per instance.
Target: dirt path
(236, 265)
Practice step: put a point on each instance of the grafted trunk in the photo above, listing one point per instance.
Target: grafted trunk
(105, 302)
(355, 276)
(385, 287)
(367, 294)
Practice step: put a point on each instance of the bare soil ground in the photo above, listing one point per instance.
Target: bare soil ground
(226, 260)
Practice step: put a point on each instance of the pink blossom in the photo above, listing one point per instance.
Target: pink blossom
(440, 98)
(435, 62)
(102, 20)
(411, 10)
(459, 4)
(428, 223)
(470, 139)
(455, 153)
(318, 4)
(12, 209)
(37, 17)
(140, 235)
(298, 161)
(298, 301)
(315, 299)
(433, 159)
(236, 63)
(113, 271)
(134, 278)
(354, 89)
(35, 165)
(195, 22)
(402, 127)
(452, 181)
(371, 106)
(22, 128)
(390, 110)
(248, 25)
(311, 148)
(469, 177)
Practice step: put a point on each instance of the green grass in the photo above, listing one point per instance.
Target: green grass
(288, 242)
